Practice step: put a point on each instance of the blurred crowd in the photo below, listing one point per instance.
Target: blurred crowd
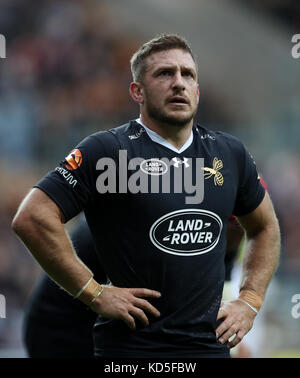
(286, 11)
(66, 75)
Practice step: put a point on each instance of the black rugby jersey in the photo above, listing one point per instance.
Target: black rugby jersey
(149, 235)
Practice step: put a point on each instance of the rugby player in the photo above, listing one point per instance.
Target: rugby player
(162, 250)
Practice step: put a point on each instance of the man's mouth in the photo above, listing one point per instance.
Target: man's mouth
(178, 100)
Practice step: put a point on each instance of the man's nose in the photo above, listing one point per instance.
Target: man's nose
(178, 82)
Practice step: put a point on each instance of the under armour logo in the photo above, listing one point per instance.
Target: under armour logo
(178, 161)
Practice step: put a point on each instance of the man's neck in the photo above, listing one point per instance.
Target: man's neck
(175, 135)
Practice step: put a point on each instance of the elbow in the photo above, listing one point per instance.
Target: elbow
(35, 214)
(274, 229)
(270, 228)
(25, 220)
(21, 222)
(271, 231)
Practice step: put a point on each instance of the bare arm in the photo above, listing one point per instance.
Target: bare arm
(262, 247)
(39, 224)
(259, 264)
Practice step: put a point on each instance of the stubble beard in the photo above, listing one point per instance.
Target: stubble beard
(161, 116)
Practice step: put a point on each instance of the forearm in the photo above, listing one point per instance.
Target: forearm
(44, 236)
(261, 259)
(259, 264)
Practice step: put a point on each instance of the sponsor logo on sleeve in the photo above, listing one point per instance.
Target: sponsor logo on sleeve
(187, 232)
(73, 160)
(67, 175)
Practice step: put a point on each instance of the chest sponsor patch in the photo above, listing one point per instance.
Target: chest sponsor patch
(186, 232)
(154, 167)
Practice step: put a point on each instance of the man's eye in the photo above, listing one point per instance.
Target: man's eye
(188, 73)
(165, 73)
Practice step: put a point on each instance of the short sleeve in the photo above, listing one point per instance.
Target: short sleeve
(250, 191)
(71, 184)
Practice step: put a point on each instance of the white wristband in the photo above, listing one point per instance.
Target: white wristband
(98, 294)
(252, 308)
(84, 287)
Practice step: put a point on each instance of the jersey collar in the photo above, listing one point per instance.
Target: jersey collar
(159, 139)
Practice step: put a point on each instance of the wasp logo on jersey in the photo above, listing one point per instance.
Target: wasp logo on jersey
(186, 232)
(73, 160)
(214, 171)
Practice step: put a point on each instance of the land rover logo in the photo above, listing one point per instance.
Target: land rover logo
(187, 232)
(154, 167)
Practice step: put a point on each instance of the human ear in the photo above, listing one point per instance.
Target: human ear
(136, 92)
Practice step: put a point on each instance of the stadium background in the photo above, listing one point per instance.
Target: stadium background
(66, 75)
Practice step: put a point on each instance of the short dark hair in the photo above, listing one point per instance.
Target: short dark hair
(161, 42)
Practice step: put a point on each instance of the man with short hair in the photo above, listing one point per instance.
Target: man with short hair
(161, 247)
